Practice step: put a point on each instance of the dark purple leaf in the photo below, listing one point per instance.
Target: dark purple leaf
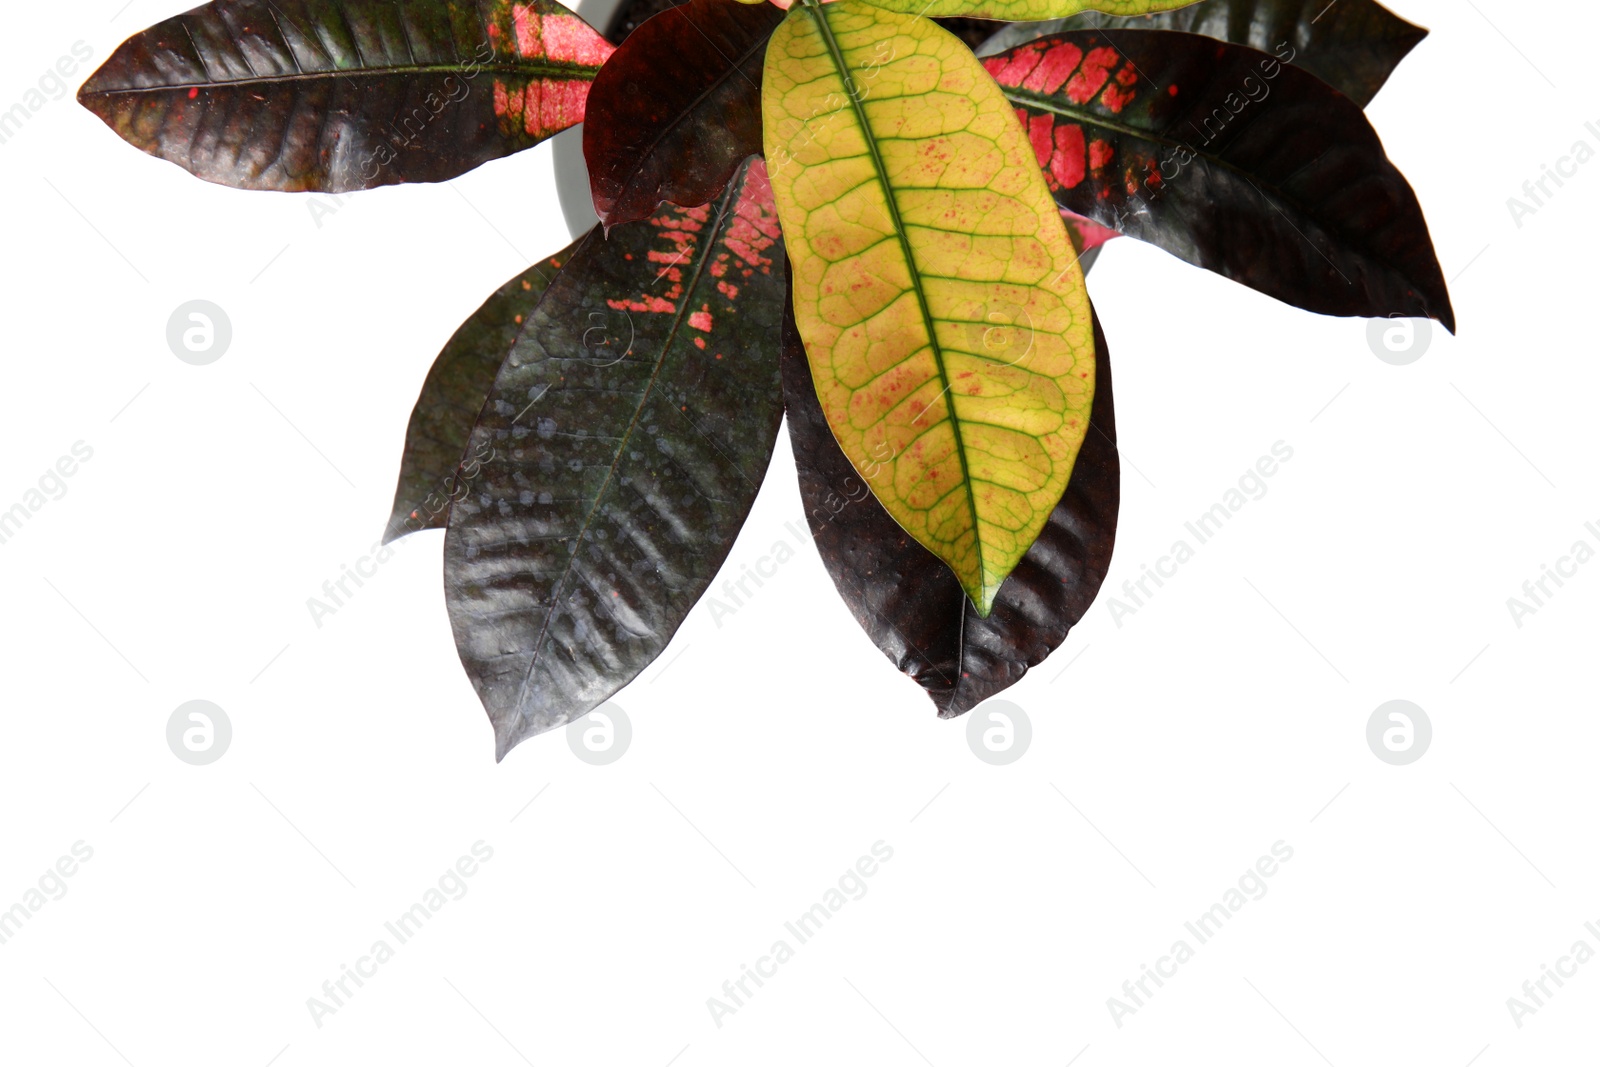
(452, 395)
(909, 602)
(1230, 159)
(1353, 45)
(617, 457)
(336, 95)
(678, 108)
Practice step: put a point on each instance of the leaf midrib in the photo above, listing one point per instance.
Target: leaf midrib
(627, 435)
(1038, 102)
(542, 70)
(814, 9)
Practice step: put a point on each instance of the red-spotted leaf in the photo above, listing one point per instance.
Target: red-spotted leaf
(452, 395)
(1231, 159)
(336, 95)
(678, 108)
(617, 457)
(1353, 45)
(909, 602)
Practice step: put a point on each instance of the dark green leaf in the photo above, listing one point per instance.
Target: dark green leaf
(453, 394)
(678, 108)
(1228, 158)
(909, 602)
(335, 95)
(1353, 45)
(617, 457)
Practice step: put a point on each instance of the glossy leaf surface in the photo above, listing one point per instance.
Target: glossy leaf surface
(1024, 10)
(910, 604)
(336, 95)
(677, 109)
(1353, 45)
(625, 436)
(939, 297)
(1232, 160)
(453, 393)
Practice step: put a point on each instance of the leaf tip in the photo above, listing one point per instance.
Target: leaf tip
(103, 80)
(86, 93)
(952, 703)
(396, 527)
(504, 742)
(983, 596)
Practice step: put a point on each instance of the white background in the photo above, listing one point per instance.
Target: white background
(1227, 714)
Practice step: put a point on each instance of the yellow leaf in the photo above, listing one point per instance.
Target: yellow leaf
(1027, 10)
(935, 287)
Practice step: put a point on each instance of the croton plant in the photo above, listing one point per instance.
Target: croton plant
(836, 211)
